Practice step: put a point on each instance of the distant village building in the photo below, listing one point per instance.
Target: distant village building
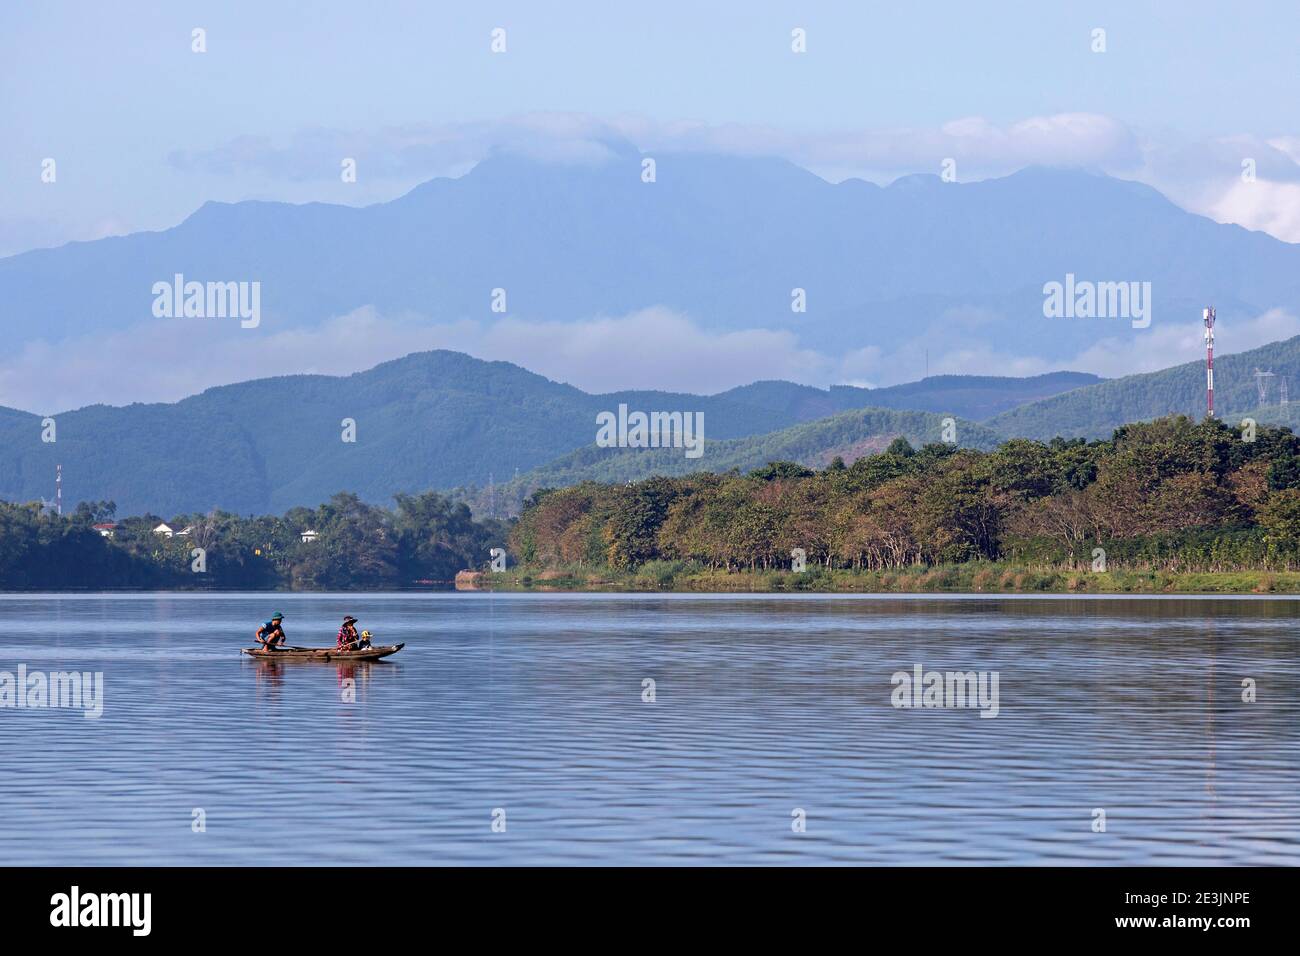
(167, 531)
(106, 529)
(309, 536)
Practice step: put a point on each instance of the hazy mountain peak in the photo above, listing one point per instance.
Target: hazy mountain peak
(719, 240)
(917, 181)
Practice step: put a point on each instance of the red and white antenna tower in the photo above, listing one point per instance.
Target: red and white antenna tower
(1208, 315)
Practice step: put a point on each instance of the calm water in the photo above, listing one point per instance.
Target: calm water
(533, 704)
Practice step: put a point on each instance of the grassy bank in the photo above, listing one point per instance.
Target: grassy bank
(973, 577)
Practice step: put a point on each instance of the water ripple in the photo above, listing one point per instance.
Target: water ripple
(764, 705)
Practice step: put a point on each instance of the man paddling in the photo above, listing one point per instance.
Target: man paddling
(348, 638)
(271, 633)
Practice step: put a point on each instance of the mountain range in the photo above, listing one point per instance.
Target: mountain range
(448, 421)
(1090, 411)
(429, 420)
(918, 264)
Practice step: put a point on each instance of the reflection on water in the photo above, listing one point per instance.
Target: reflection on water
(536, 705)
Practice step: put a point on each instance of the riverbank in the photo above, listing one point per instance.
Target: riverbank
(974, 577)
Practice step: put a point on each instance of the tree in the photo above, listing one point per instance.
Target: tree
(1280, 518)
(775, 470)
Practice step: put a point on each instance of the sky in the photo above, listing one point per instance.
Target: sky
(144, 130)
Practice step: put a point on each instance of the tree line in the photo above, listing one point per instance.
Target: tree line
(422, 541)
(1170, 494)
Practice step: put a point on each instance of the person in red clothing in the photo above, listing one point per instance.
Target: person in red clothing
(348, 637)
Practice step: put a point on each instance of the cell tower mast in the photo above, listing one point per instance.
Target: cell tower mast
(1208, 316)
(58, 490)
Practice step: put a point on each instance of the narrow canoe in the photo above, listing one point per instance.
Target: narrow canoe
(322, 653)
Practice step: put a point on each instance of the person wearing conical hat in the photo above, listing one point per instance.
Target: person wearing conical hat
(348, 637)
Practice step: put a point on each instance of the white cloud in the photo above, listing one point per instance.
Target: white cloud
(651, 349)
(1158, 347)
(401, 153)
(1246, 180)
(1200, 174)
(1203, 175)
(1273, 208)
(424, 149)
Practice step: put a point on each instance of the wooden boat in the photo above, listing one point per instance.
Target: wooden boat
(321, 653)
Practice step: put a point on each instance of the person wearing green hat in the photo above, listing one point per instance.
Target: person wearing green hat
(271, 633)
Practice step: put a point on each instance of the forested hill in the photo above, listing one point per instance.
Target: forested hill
(430, 420)
(848, 436)
(1171, 495)
(1095, 411)
(975, 397)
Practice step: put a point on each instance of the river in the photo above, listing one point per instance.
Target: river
(657, 729)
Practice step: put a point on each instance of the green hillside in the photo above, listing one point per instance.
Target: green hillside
(431, 420)
(975, 397)
(1095, 411)
(849, 435)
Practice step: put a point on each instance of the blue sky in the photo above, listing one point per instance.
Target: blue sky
(139, 124)
(144, 131)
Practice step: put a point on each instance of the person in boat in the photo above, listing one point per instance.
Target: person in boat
(365, 641)
(348, 637)
(271, 634)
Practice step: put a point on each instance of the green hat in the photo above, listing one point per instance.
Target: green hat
(276, 616)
